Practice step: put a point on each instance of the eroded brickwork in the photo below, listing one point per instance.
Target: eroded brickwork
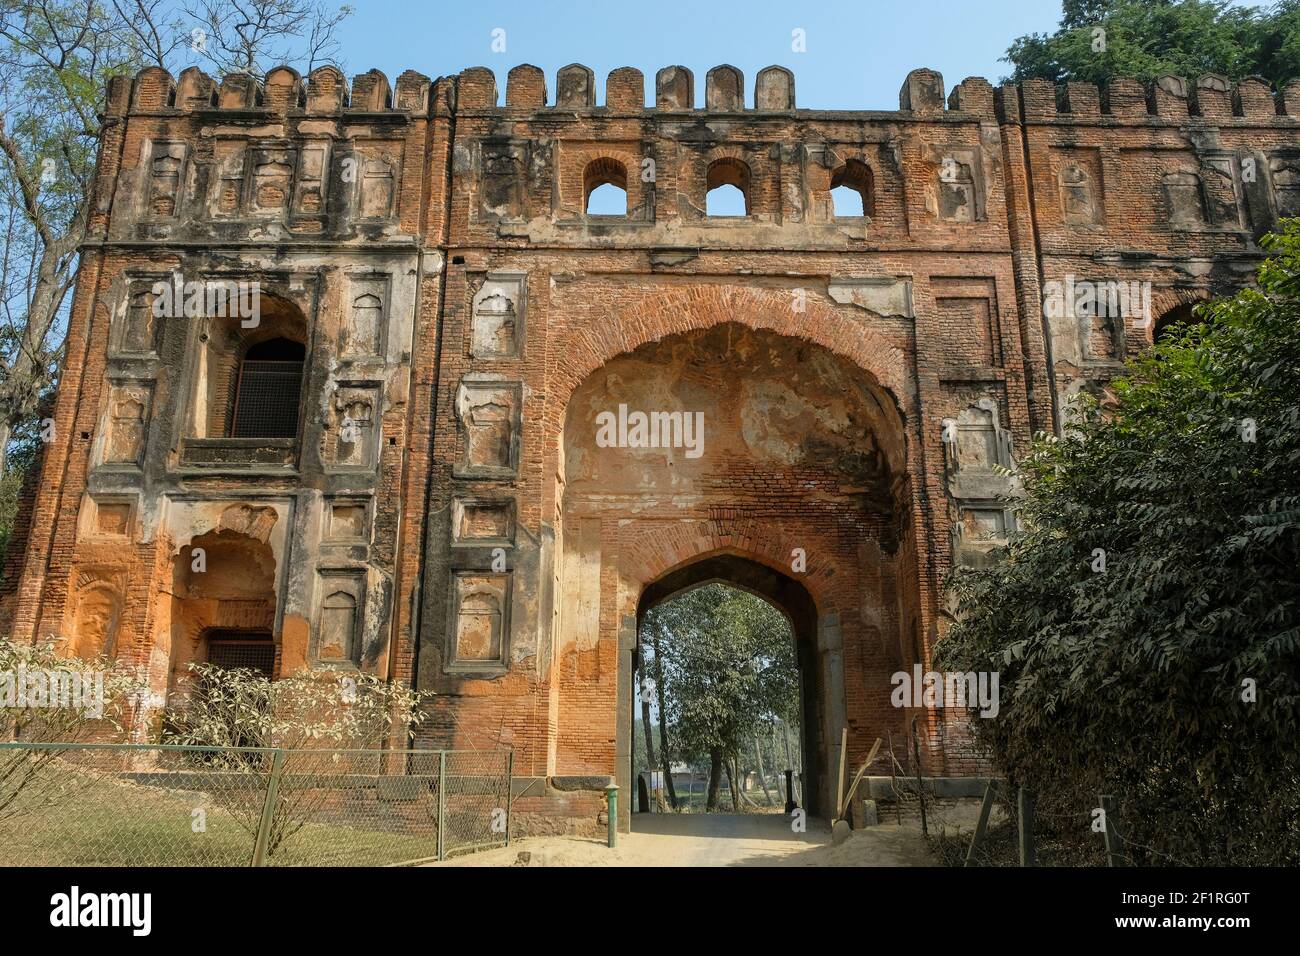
(446, 509)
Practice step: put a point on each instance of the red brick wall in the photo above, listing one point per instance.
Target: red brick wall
(484, 190)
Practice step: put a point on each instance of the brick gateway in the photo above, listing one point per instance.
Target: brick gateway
(448, 323)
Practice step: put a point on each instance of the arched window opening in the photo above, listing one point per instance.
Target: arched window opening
(605, 188)
(852, 190)
(248, 377)
(1173, 322)
(728, 188)
(848, 203)
(267, 390)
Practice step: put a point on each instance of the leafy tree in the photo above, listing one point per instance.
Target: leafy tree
(728, 668)
(11, 487)
(1147, 38)
(1146, 625)
(21, 462)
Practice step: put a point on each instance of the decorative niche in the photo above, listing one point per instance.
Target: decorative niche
(479, 623)
(497, 317)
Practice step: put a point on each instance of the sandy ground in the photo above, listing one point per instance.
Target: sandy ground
(717, 839)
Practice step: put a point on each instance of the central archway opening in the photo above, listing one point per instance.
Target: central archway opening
(759, 460)
(725, 681)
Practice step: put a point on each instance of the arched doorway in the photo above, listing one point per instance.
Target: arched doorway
(789, 597)
(223, 602)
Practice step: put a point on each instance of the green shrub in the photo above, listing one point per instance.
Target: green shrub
(1172, 678)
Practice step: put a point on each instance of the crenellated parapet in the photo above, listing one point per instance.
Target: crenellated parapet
(283, 90)
(328, 92)
(1211, 98)
(331, 158)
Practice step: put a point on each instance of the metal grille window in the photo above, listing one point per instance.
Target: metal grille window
(253, 650)
(266, 398)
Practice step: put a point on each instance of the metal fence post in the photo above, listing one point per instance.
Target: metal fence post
(268, 810)
(611, 811)
(986, 806)
(920, 784)
(510, 794)
(1110, 814)
(442, 792)
(1026, 814)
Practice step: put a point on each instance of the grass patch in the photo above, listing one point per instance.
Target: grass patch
(112, 822)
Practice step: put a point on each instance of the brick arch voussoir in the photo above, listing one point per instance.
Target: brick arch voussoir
(1164, 301)
(677, 311)
(658, 553)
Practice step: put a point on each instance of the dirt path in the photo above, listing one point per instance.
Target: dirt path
(716, 839)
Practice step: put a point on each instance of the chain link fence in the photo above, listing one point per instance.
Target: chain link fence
(963, 831)
(157, 805)
(1022, 828)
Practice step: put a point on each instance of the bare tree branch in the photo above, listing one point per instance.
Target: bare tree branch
(56, 57)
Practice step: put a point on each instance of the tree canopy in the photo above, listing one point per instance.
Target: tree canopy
(1148, 38)
(728, 670)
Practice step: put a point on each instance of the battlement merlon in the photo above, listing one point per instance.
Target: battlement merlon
(326, 92)
(153, 91)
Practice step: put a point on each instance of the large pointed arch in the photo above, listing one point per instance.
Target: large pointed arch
(796, 313)
(802, 495)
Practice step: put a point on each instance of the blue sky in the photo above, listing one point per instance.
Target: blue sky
(857, 52)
